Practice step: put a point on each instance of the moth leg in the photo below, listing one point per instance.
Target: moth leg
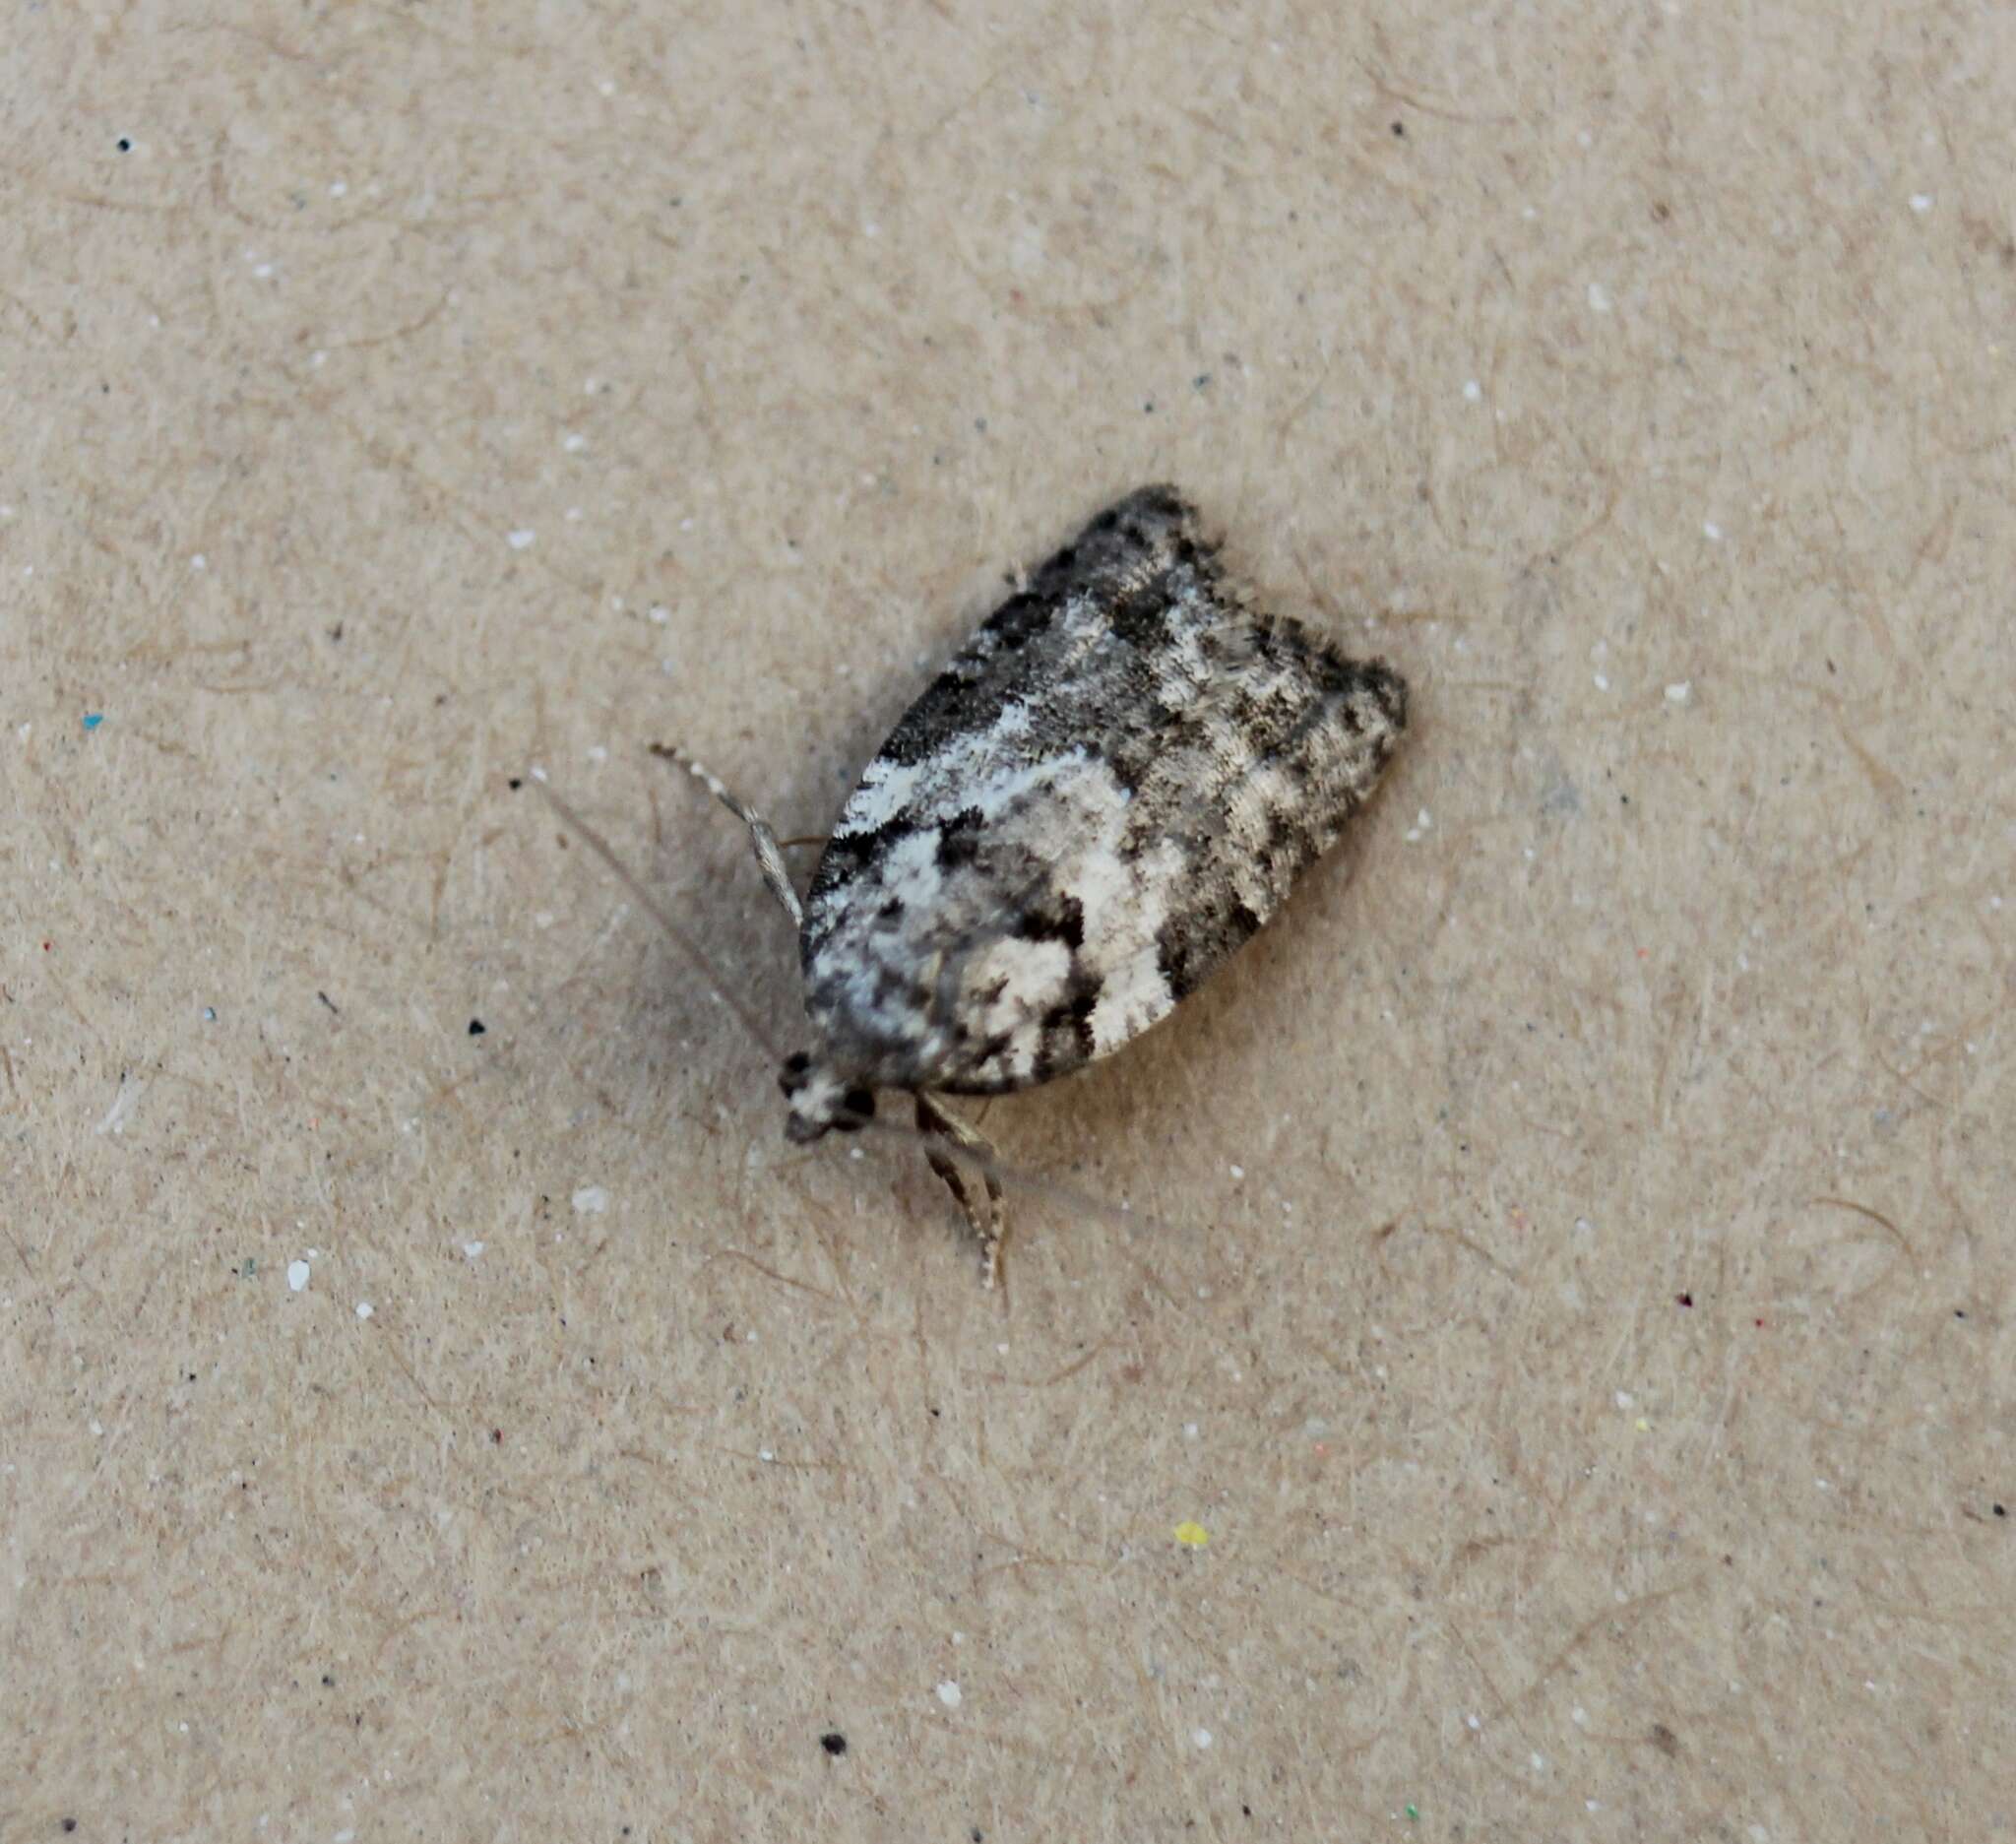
(991, 1224)
(769, 855)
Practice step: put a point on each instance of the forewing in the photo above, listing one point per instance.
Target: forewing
(1107, 792)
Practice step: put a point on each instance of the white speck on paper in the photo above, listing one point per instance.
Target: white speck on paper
(1237, 1171)
(124, 1105)
(1473, 1722)
(297, 1275)
(1598, 300)
(590, 1200)
(1202, 1736)
(522, 538)
(949, 1695)
(199, 561)
(1921, 203)
(1624, 1398)
(1603, 680)
(1579, 1715)
(363, 1309)
(1189, 1431)
(659, 613)
(337, 188)
(1680, 691)
(1710, 530)
(574, 444)
(473, 1250)
(1539, 1760)
(1472, 391)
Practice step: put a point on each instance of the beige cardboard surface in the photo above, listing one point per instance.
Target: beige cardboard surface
(1564, 1267)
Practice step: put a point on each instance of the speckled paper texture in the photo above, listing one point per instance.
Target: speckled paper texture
(1553, 1374)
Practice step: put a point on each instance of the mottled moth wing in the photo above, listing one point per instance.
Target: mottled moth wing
(1107, 790)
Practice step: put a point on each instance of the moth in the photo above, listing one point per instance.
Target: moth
(1107, 790)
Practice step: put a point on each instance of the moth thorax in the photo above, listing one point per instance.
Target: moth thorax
(822, 1101)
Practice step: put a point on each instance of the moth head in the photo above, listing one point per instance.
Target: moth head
(822, 1101)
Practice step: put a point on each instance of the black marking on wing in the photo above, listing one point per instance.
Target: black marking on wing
(1199, 937)
(1055, 918)
(842, 861)
(958, 839)
(1067, 1038)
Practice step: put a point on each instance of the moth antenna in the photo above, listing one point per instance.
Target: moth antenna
(1025, 1180)
(769, 855)
(683, 941)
